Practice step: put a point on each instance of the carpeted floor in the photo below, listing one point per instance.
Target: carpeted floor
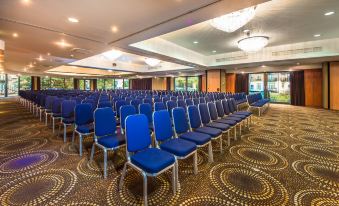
(290, 156)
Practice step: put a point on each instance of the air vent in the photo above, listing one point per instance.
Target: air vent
(81, 51)
(235, 58)
(297, 51)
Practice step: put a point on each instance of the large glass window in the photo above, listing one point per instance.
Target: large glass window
(180, 83)
(118, 84)
(12, 86)
(69, 83)
(57, 83)
(256, 83)
(82, 84)
(87, 84)
(109, 83)
(101, 84)
(126, 83)
(2, 84)
(25, 83)
(278, 85)
(45, 82)
(192, 83)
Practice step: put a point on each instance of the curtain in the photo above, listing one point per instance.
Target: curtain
(168, 83)
(297, 88)
(142, 84)
(76, 83)
(241, 83)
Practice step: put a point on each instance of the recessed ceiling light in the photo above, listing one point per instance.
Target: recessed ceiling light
(49, 54)
(195, 42)
(298, 63)
(15, 35)
(242, 72)
(62, 43)
(109, 70)
(40, 58)
(246, 30)
(263, 66)
(317, 35)
(25, 69)
(329, 13)
(114, 29)
(30, 65)
(73, 20)
(72, 55)
(26, 2)
(214, 51)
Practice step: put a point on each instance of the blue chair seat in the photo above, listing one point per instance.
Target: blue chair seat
(68, 120)
(56, 115)
(210, 131)
(244, 113)
(152, 160)
(234, 118)
(85, 129)
(48, 111)
(239, 116)
(223, 127)
(178, 147)
(226, 121)
(112, 141)
(196, 137)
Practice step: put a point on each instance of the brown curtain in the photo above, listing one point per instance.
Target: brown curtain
(76, 83)
(142, 84)
(94, 84)
(241, 83)
(168, 83)
(297, 88)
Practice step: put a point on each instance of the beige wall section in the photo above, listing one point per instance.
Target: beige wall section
(325, 85)
(334, 85)
(213, 80)
(159, 83)
(223, 80)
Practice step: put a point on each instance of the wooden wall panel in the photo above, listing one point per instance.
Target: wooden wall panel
(334, 85)
(213, 80)
(203, 83)
(313, 87)
(159, 83)
(230, 82)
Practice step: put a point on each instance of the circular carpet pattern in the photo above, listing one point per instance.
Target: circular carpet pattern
(159, 190)
(69, 149)
(258, 157)
(19, 135)
(26, 161)
(313, 139)
(317, 152)
(82, 204)
(265, 141)
(325, 175)
(247, 186)
(186, 165)
(207, 200)
(24, 145)
(268, 131)
(38, 188)
(316, 198)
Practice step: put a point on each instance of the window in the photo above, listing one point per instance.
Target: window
(2, 84)
(25, 83)
(118, 84)
(180, 83)
(101, 84)
(256, 83)
(126, 83)
(12, 86)
(57, 83)
(45, 82)
(279, 87)
(109, 83)
(87, 84)
(81, 84)
(192, 83)
(69, 83)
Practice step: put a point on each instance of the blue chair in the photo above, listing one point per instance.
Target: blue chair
(159, 106)
(171, 105)
(56, 111)
(202, 100)
(196, 101)
(48, 107)
(142, 157)
(147, 101)
(182, 130)
(166, 140)
(104, 104)
(67, 114)
(135, 103)
(118, 104)
(125, 111)
(146, 109)
(189, 102)
(83, 122)
(225, 114)
(105, 136)
(90, 101)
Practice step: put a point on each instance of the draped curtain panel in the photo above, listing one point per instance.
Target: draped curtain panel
(241, 83)
(76, 83)
(168, 83)
(297, 88)
(142, 84)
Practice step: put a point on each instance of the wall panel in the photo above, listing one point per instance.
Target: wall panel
(313, 87)
(213, 80)
(230, 82)
(334, 85)
(159, 83)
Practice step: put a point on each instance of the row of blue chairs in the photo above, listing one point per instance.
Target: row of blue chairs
(257, 101)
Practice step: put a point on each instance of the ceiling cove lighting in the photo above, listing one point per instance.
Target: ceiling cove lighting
(73, 20)
(152, 62)
(233, 21)
(112, 55)
(329, 13)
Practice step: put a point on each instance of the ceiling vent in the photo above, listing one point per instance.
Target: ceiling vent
(297, 51)
(234, 58)
(81, 51)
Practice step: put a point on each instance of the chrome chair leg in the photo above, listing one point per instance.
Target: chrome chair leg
(228, 138)
(220, 143)
(145, 188)
(105, 163)
(80, 145)
(123, 174)
(195, 162)
(65, 128)
(92, 152)
(210, 152)
(235, 132)
(53, 125)
(174, 177)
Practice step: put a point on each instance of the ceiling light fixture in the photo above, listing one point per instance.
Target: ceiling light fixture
(62, 43)
(234, 21)
(15, 35)
(329, 13)
(196, 42)
(152, 62)
(112, 55)
(114, 29)
(253, 43)
(263, 66)
(214, 51)
(317, 35)
(73, 20)
(110, 70)
(40, 58)
(30, 65)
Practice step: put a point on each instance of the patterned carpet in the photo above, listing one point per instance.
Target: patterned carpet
(290, 156)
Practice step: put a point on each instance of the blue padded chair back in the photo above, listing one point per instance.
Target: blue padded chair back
(67, 108)
(137, 133)
(234, 104)
(56, 107)
(146, 109)
(170, 105)
(189, 102)
(204, 114)
(165, 99)
(174, 98)
(162, 125)
(202, 100)
(49, 102)
(90, 101)
(105, 104)
(135, 103)
(194, 117)
(180, 121)
(212, 110)
(230, 105)
(181, 103)
(128, 100)
(147, 101)
(104, 122)
(118, 104)
(159, 106)
(83, 114)
(226, 107)
(196, 101)
(125, 111)
(220, 109)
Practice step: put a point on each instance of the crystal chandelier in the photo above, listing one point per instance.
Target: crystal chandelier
(112, 55)
(253, 43)
(233, 21)
(152, 62)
